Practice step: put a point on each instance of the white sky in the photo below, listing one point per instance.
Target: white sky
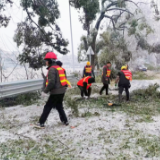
(17, 15)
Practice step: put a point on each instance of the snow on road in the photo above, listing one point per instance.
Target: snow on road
(137, 84)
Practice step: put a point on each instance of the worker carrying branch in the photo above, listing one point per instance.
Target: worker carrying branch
(85, 86)
(88, 70)
(123, 79)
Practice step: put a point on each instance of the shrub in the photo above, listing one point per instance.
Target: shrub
(23, 99)
(72, 103)
(147, 94)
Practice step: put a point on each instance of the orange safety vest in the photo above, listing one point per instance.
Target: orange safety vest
(108, 74)
(61, 73)
(88, 69)
(80, 82)
(127, 74)
(68, 83)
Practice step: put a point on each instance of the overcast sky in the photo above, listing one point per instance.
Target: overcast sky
(17, 15)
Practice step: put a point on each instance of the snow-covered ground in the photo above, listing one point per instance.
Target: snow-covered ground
(105, 134)
(90, 137)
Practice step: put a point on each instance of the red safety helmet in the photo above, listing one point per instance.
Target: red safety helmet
(50, 55)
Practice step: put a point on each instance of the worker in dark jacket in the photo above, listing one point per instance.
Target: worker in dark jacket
(106, 78)
(85, 86)
(56, 86)
(123, 79)
(88, 71)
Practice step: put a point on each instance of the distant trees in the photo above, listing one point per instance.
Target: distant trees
(105, 9)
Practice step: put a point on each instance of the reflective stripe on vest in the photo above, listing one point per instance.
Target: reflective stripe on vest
(127, 74)
(61, 73)
(108, 73)
(88, 69)
(80, 82)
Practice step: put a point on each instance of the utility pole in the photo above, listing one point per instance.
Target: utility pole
(71, 38)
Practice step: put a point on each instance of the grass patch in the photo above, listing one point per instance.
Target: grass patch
(23, 99)
(89, 114)
(144, 104)
(130, 144)
(150, 145)
(142, 76)
(72, 91)
(72, 103)
(147, 95)
(45, 149)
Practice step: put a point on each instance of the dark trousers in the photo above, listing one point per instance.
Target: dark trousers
(86, 92)
(54, 101)
(121, 89)
(105, 87)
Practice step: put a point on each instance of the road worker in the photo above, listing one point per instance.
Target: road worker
(56, 86)
(106, 74)
(88, 70)
(85, 85)
(123, 79)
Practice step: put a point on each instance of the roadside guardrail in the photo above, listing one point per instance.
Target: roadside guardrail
(10, 89)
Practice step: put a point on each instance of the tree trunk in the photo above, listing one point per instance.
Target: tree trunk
(93, 45)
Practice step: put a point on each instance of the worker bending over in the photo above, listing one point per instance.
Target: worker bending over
(85, 85)
(106, 74)
(123, 79)
(88, 70)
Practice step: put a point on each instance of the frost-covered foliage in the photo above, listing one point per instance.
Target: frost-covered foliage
(114, 50)
(4, 20)
(111, 10)
(143, 34)
(140, 30)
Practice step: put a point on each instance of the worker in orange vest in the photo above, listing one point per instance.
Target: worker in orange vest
(123, 79)
(56, 86)
(106, 74)
(85, 85)
(88, 70)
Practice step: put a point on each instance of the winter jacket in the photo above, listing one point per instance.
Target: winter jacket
(105, 80)
(123, 81)
(88, 74)
(54, 85)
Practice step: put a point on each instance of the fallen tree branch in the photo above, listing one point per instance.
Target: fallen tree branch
(63, 144)
(22, 135)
